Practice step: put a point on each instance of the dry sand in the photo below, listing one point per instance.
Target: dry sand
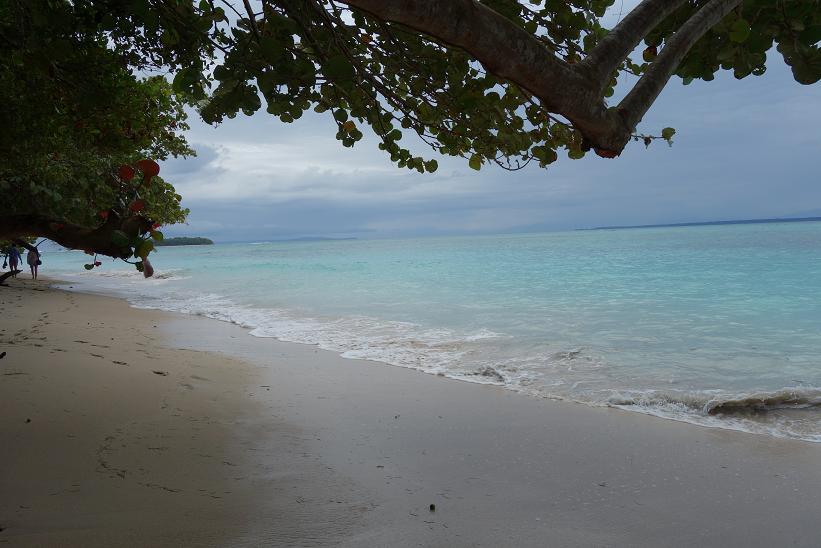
(255, 442)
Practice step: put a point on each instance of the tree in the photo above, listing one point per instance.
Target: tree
(504, 81)
(499, 80)
(75, 120)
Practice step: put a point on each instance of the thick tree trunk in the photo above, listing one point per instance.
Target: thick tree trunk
(97, 240)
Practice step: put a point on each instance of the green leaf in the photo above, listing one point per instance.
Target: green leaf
(169, 38)
(142, 250)
(119, 238)
(475, 162)
(431, 166)
(186, 79)
(575, 154)
(271, 49)
(811, 35)
(740, 31)
(139, 266)
(667, 133)
(221, 72)
(156, 235)
(338, 68)
(545, 155)
(726, 54)
(88, 266)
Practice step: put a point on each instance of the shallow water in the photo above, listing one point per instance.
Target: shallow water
(717, 325)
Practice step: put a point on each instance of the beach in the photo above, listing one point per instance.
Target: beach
(127, 427)
(715, 326)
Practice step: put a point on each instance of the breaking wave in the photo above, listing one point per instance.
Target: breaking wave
(790, 412)
(403, 344)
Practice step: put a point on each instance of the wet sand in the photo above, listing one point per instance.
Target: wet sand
(254, 442)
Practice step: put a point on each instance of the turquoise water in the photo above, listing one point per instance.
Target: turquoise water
(717, 325)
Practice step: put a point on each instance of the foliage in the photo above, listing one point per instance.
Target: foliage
(740, 42)
(73, 113)
(5, 245)
(291, 56)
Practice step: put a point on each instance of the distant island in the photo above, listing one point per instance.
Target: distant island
(183, 240)
(709, 223)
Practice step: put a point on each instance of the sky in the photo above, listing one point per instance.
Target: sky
(743, 149)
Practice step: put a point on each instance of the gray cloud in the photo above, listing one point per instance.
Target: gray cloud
(742, 149)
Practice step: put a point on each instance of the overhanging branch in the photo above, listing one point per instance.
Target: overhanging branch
(511, 53)
(503, 48)
(634, 106)
(619, 43)
(72, 236)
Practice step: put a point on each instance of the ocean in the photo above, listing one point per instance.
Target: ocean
(714, 325)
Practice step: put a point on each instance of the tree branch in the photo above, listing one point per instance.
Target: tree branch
(98, 240)
(511, 53)
(251, 18)
(634, 106)
(505, 49)
(25, 244)
(616, 46)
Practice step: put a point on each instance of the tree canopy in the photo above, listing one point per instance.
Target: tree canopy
(92, 85)
(76, 119)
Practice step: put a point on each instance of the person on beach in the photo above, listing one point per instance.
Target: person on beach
(33, 260)
(14, 259)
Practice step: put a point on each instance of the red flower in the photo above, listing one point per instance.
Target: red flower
(137, 205)
(126, 172)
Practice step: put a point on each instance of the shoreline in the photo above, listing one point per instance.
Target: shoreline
(348, 452)
(759, 412)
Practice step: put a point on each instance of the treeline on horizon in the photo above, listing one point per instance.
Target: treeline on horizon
(185, 240)
(709, 223)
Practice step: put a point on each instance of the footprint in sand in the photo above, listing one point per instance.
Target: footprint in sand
(118, 362)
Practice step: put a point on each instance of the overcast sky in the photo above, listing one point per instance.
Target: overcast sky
(743, 149)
